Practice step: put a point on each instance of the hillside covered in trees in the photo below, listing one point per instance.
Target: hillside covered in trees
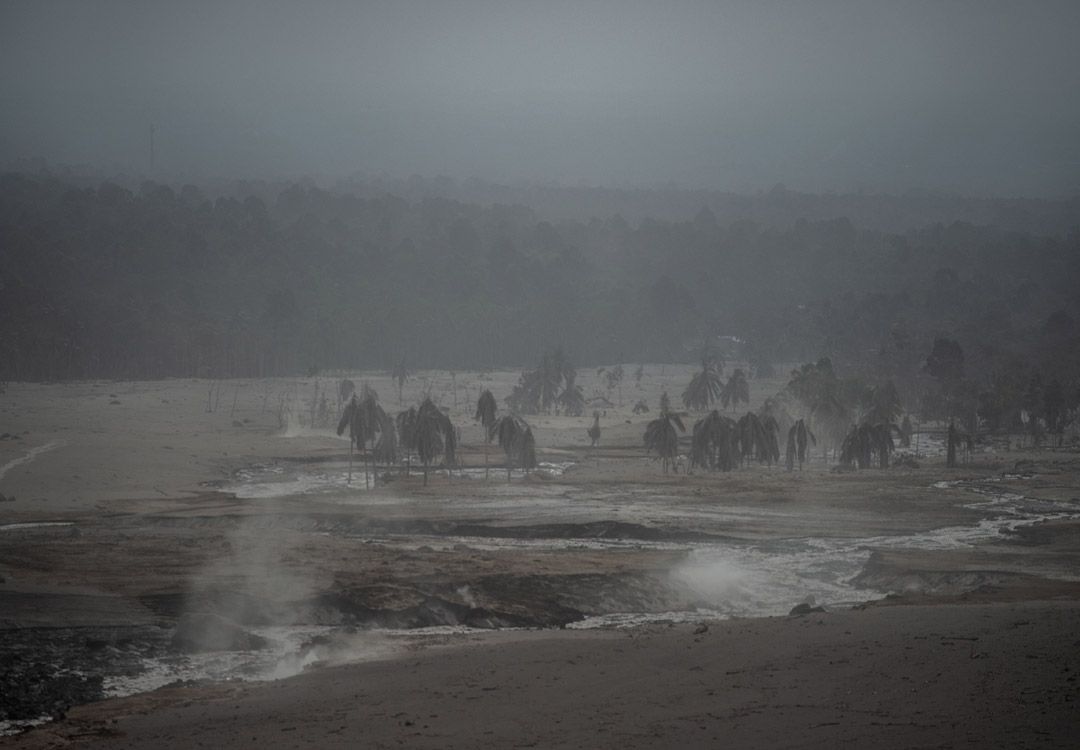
(104, 280)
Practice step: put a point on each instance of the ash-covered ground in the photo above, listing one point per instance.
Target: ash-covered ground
(273, 562)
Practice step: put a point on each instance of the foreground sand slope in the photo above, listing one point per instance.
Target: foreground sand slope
(979, 675)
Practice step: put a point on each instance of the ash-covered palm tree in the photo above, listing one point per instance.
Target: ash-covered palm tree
(705, 387)
(527, 455)
(799, 436)
(758, 438)
(737, 390)
(714, 443)
(435, 436)
(858, 447)
(866, 441)
(367, 423)
(817, 387)
(700, 449)
(486, 414)
(538, 389)
(660, 436)
(385, 450)
(375, 423)
(516, 440)
(772, 432)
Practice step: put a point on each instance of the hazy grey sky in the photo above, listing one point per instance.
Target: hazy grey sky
(973, 96)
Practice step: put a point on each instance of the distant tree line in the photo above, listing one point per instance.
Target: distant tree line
(106, 281)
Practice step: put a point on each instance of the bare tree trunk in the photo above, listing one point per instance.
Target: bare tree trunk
(374, 465)
(950, 447)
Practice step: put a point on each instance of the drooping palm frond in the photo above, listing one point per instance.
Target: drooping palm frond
(435, 436)
(527, 450)
(370, 412)
(349, 419)
(772, 434)
(883, 442)
(537, 389)
(661, 437)
(799, 436)
(713, 443)
(385, 450)
(366, 392)
(865, 441)
(758, 439)
(704, 388)
(699, 446)
(737, 390)
(486, 410)
(516, 440)
(367, 423)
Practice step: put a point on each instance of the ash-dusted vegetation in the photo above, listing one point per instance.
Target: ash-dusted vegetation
(260, 279)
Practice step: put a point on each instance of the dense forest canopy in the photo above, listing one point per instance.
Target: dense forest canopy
(106, 280)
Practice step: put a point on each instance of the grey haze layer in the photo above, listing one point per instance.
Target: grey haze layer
(972, 96)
